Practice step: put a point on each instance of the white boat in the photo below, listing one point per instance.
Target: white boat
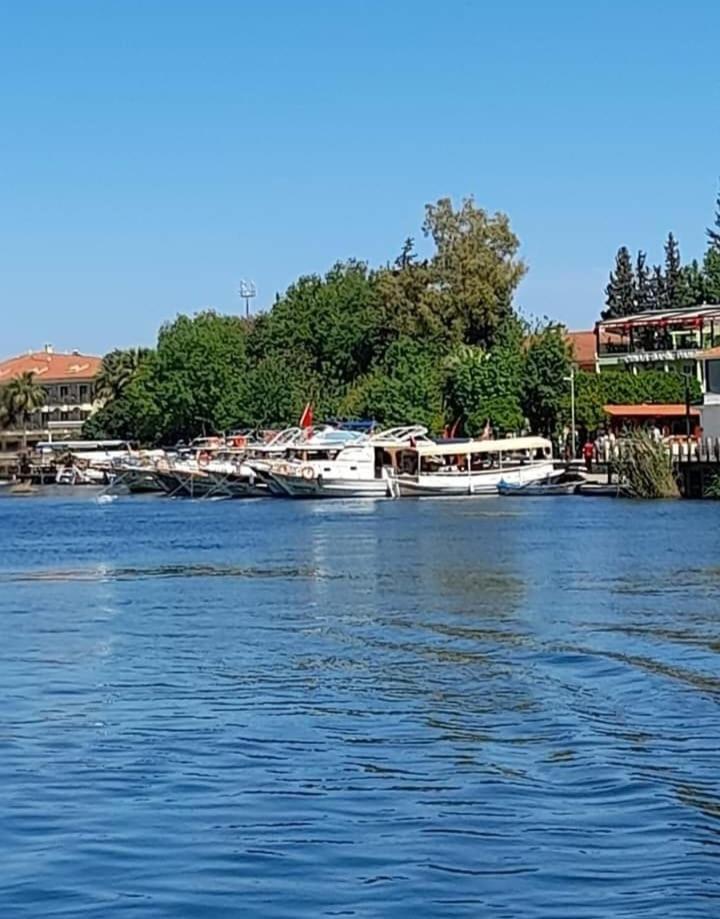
(345, 464)
(475, 467)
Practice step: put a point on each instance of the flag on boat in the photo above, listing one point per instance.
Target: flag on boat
(306, 419)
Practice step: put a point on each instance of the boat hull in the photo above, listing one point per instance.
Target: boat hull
(475, 484)
(296, 486)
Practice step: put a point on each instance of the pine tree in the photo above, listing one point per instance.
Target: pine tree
(711, 274)
(714, 232)
(643, 292)
(693, 284)
(658, 294)
(673, 274)
(620, 291)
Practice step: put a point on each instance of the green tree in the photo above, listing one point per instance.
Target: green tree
(713, 232)
(406, 387)
(328, 325)
(547, 365)
(117, 370)
(693, 284)
(620, 292)
(642, 283)
(711, 275)
(485, 385)
(464, 291)
(22, 397)
(674, 286)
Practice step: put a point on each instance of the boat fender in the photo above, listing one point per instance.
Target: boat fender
(307, 472)
(203, 459)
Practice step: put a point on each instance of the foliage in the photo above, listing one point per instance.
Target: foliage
(118, 369)
(620, 387)
(463, 293)
(405, 388)
(620, 293)
(713, 489)
(21, 397)
(673, 274)
(547, 367)
(645, 467)
(484, 386)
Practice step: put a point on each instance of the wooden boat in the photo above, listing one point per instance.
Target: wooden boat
(474, 467)
(563, 484)
(593, 490)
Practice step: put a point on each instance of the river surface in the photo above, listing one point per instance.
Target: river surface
(438, 708)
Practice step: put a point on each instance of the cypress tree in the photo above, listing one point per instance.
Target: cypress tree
(643, 292)
(693, 284)
(620, 291)
(673, 274)
(714, 232)
(658, 295)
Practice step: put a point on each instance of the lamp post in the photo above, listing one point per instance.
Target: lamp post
(247, 291)
(571, 381)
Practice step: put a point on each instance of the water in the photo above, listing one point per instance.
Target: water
(439, 708)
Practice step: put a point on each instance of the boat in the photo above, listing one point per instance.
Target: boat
(567, 483)
(342, 463)
(206, 475)
(596, 490)
(474, 467)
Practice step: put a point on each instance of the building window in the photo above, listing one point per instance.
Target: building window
(63, 392)
(83, 392)
(713, 376)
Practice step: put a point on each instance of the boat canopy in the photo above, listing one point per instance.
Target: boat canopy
(506, 445)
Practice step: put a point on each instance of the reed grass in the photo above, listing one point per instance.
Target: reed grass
(645, 468)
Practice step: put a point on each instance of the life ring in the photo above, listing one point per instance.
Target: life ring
(307, 472)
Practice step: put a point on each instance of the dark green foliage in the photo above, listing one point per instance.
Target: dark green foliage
(643, 287)
(620, 291)
(621, 387)
(484, 386)
(674, 287)
(547, 366)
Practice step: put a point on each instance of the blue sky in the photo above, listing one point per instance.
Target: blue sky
(154, 152)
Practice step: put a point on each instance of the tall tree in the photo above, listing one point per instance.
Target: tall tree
(620, 291)
(693, 284)
(713, 232)
(658, 293)
(118, 369)
(547, 365)
(643, 291)
(23, 396)
(674, 287)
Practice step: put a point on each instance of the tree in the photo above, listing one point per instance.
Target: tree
(464, 291)
(693, 284)
(674, 287)
(406, 387)
(658, 293)
(117, 371)
(711, 274)
(23, 396)
(713, 233)
(620, 291)
(330, 325)
(547, 365)
(485, 385)
(643, 291)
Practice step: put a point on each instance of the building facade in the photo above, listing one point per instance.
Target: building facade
(70, 397)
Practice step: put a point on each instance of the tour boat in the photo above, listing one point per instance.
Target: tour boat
(564, 483)
(474, 467)
(336, 463)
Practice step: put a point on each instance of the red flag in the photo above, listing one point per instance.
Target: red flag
(306, 419)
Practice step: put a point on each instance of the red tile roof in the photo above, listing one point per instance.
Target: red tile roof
(584, 345)
(661, 410)
(51, 367)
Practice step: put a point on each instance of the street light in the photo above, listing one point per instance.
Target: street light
(247, 291)
(571, 381)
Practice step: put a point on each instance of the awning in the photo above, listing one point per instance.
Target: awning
(661, 410)
(505, 445)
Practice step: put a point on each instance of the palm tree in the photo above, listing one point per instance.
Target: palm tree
(118, 369)
(22, 396)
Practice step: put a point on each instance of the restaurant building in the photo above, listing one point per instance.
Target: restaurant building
(70, 397)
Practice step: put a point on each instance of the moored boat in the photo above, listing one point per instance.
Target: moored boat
(475, 467)
(566, 483)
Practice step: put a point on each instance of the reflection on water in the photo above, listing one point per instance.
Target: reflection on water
(438, 708)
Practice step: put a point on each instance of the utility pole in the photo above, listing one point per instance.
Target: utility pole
(247, 291)
(571, 381)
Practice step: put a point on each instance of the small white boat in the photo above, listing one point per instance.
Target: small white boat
(566, 483)
(475, 467)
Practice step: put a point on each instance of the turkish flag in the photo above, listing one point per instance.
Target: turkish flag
(306, 419)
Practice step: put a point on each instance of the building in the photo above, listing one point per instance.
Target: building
(710, 411)
(583, 347)
(670, 419)
(659, 340)
(69, 384)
